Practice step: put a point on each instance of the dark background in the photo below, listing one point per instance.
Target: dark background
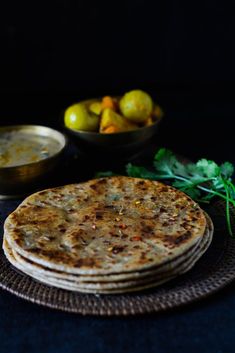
(183, 53)
(85, 47)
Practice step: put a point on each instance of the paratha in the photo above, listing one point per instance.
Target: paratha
(124, 286)
(168, 267)
(31, 266)
(105, 226)
(43, 280)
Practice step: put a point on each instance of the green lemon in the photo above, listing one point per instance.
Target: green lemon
(77, 117)
(136, 106)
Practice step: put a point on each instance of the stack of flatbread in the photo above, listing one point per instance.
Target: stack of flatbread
(108, 235)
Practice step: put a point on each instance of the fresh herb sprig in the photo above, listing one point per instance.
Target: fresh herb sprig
(202, 181)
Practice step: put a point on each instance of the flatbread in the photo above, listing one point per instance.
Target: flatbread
(116, 287)
(105, 226)
(168, 267)
(29, 265)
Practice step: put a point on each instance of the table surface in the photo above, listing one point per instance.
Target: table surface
(205, 326)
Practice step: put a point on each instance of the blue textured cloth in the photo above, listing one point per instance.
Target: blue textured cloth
(207, 326)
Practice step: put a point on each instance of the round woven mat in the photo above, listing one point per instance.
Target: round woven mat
(215, 269)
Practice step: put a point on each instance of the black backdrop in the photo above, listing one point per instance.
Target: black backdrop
(183, 53)
(85, 46)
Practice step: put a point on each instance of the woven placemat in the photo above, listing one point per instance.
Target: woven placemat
(215, 270)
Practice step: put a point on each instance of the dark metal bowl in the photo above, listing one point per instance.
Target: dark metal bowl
(16, 180)
(121, 145)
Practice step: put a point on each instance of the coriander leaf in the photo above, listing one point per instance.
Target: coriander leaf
(232, 189)
(208, 168)
(182, 184)
(228, 216)
(195, 194)
(162, 153)
(188, 187)
(139, 172)
(227, 169)
(206, 198)
(194, 171)
(218, 183)
(164, 161)
(180, 169)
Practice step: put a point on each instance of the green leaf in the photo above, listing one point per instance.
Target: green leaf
(164, 161)
(162, 153)
(208, 168)
(139, 172)
(195, 194)
(218, 183)
(194, 170)
(227, 169)
(182, 184)
(180, 169)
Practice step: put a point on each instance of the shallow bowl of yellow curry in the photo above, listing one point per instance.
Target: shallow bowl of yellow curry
(27, 152)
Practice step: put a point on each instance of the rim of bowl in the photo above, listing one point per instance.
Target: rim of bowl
(5, 128)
